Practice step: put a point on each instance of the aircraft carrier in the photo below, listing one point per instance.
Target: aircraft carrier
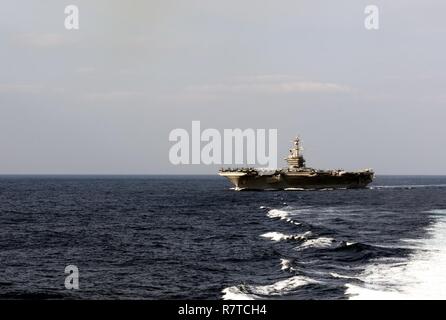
(296, 176)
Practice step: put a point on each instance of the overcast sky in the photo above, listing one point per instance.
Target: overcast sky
(104, 98)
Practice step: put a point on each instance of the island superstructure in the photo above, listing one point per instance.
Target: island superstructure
(296, 176)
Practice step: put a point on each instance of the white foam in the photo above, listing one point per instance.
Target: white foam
(322, 242)
(340, 276)
(288, 212)
(422, 277)
(276, 213)
(285, 263)
(282, 286)
(282, 215)
(438, 211)
(278, 236)
(235, 293)
(276, 289)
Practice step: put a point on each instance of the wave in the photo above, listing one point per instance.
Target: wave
(282, 215)
(341, 276)
(245, 292)
(305, 238)
(422, 276)
(278, 236)
(276, 213)
(286, 264)
(237, 293)
(437, 211)
(361, 252)
(289, 213)
(358, 247)
(322, 242)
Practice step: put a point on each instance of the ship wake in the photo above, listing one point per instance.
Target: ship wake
(421, 277)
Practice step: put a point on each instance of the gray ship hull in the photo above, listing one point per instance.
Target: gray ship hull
(298, 181)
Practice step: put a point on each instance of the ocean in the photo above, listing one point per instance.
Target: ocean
(186, 237)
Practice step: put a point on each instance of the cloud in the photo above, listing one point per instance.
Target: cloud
(113, 96)
(26, 89)
(43, 40)
(84, 70)
(265, 84)
(20, 89)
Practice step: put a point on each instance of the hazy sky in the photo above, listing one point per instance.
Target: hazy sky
(104, 98)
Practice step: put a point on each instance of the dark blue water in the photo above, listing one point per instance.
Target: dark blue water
(192, 237)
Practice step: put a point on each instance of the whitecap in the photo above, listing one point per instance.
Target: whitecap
(278, 236)
(235, 293)
(276, 289)
(322, 242)
(422, 276)
(282, 215)
(285, 263)
(282, 286)
(276, 213)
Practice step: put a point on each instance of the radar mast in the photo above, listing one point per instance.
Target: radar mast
(295, 160)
